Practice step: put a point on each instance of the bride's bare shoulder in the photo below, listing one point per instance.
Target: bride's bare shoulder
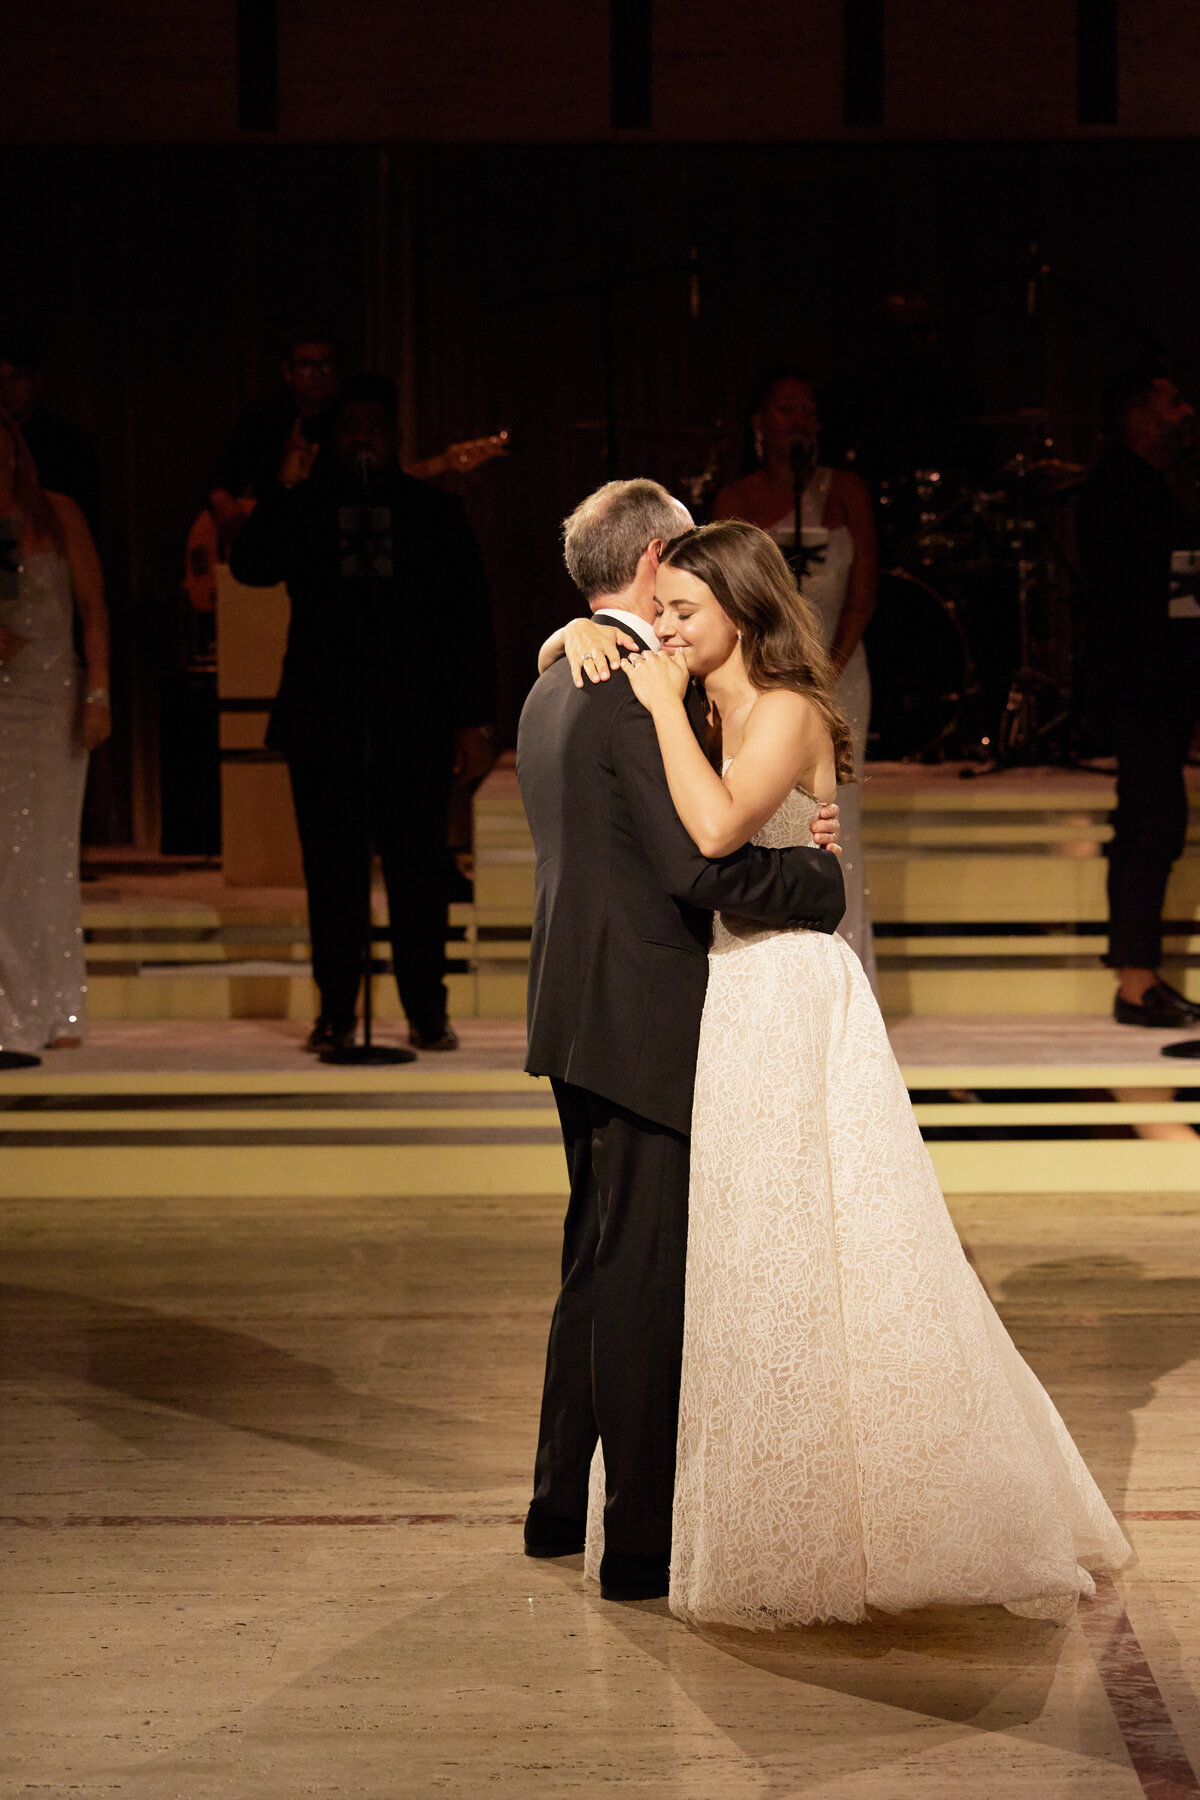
(782, 712)
(785, 732)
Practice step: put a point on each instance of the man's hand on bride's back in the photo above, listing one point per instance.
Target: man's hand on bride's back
(826, 828)
(593, 650)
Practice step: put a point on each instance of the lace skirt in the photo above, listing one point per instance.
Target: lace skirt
(856, 1428)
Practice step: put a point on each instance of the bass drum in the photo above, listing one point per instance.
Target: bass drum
(920, 670)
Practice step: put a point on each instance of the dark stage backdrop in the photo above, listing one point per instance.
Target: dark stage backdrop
(609, 304)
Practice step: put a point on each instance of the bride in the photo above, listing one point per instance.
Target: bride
(856, 1427)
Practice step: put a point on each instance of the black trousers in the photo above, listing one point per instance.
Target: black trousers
(616, 1339)
(1154, 729)
(350, 798)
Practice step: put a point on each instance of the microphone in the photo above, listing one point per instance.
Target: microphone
(367, 464)
(802, 453)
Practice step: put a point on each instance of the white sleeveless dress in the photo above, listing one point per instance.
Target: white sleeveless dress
(43, 770)
(856, 1427)
(824, 587)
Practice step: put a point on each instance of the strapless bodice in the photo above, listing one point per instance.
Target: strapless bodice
(788, 826)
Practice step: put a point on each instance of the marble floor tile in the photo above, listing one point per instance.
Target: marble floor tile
(262, 1466)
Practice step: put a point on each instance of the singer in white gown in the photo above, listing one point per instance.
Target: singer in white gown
(856, 1427)
(837, 574)
(53, 711)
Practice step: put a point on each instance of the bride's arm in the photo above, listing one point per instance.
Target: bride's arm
(783, 739)
(586, 645)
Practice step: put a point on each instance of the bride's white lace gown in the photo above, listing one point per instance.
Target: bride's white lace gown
(856, 1426)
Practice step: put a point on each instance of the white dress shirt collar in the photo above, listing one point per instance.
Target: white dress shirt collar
(639, 627)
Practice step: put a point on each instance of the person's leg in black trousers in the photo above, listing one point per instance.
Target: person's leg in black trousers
(410, 797)
(568, 1432)
(616, 1340)
(1149, 832)
(330, 797)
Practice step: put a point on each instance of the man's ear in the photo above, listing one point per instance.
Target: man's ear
(654, 550)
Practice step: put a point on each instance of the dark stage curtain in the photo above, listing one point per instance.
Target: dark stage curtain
(611, 305)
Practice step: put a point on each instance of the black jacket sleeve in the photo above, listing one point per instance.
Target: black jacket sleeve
(773, 887)
(469, 611)
(266, 547)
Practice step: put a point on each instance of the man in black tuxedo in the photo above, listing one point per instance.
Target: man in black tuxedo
(618, 971)
(372, 713)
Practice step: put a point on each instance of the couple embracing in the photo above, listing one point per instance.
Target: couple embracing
(774, 1386)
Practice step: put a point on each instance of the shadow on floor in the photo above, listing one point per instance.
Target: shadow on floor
(227, 1378)
(1100, 1333)
(835, 1702)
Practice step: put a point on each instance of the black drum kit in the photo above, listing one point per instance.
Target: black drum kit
(970, 646)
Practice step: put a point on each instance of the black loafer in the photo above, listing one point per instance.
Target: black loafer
(440, 1037)
(1193, 1006)
(325, 1035)
(1162, 1009)
(549, 1534)
(634, 1577)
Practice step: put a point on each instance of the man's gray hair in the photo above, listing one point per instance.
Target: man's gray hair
(605, 537)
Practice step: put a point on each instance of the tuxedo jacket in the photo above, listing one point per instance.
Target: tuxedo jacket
(624, 900)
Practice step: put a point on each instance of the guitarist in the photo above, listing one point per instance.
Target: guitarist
(372, 715)
(300, 412)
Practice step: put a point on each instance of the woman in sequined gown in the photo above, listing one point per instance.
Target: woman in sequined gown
(837, 536)
(52, 713)
(856, 1427)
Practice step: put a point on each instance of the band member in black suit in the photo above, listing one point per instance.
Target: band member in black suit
(372, 715)
(618, 971)
(1141, 656)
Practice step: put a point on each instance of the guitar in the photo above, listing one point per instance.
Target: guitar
(204, 546)
(458, 459)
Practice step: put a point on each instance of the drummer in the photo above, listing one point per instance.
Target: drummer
(838, 564)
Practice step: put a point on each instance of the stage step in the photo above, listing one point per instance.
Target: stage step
(314, 1130)
(988, 897)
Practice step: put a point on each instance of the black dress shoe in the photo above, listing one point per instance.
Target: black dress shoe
(549, 1534)
(1193, 1006)
(438, 1037)
(326, 1035)
(634, 1577)
(1162, 1008)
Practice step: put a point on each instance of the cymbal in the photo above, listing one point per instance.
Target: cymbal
(1031, 415)
(1028, 415)
(1054, 465)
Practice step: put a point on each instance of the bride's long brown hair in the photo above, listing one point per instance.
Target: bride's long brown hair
(746, 574)
(40, 518)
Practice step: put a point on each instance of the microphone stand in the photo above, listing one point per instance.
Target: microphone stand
(802, 456)
(368, 1054)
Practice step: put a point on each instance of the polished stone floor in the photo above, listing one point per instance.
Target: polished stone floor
(263, 1462)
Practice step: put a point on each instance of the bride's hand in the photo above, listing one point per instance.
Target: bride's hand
(594, 648)
(826, 829)
(657, 678)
